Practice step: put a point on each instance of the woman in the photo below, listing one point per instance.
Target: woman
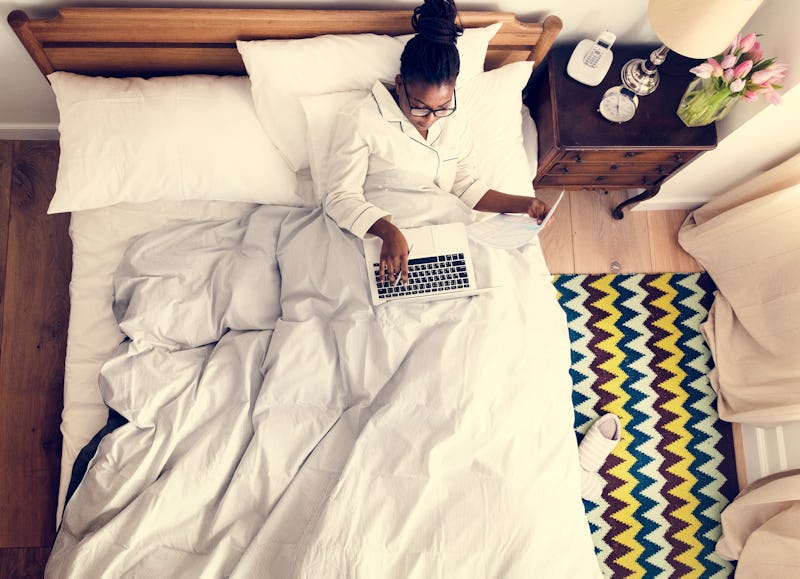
(410, 132)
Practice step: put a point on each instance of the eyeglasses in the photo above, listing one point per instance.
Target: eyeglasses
(425, 111)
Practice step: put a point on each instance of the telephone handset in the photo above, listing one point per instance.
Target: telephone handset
(590, 61)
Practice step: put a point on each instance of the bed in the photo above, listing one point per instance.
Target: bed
(269, 420)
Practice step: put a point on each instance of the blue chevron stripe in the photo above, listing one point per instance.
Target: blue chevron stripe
(701, 408)
(573, 299)
(627, 288)
(646, 451)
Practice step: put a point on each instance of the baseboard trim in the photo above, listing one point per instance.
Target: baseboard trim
(29, 131)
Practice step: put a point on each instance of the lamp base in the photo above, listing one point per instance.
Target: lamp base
(640, 75)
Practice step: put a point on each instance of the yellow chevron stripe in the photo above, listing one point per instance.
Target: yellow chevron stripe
(677, 405)
(613, 366)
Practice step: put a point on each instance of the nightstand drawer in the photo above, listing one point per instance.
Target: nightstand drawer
(610, 157)
(588, 181)
(611, 169)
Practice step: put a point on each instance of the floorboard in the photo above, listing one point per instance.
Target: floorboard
(665, 252)
(28, 563)
(6, 157)
(556, 238)
(32, 349)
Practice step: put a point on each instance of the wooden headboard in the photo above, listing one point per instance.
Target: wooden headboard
(168, 41)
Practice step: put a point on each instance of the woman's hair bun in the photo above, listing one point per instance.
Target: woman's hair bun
(435, 21)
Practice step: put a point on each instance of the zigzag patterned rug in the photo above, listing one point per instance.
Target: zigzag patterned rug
(637, 352)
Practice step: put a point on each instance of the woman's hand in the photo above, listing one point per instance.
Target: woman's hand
(497, 202)
(394, 251)
(538, 210)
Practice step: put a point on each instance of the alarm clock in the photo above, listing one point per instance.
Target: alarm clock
(618, 104)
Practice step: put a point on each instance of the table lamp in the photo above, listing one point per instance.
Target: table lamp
(688, 27)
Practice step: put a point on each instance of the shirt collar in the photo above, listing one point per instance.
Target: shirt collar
(390, 110)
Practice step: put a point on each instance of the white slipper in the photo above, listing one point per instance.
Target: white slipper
(592, 485)
(599, 441)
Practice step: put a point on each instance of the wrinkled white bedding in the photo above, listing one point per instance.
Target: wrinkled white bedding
(280, 426)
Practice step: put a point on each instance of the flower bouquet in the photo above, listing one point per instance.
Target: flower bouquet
(739, 73)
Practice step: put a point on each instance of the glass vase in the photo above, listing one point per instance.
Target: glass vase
(705, 102)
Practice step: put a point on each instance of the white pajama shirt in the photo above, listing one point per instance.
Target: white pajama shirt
(374, 143)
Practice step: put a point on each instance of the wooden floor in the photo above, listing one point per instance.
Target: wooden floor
(35, 264)
(582, 237)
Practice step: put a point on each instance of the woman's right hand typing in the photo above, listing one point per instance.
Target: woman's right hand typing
(394, 251)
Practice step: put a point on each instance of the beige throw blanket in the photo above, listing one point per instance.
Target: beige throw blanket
(760, 528)
(749, 242)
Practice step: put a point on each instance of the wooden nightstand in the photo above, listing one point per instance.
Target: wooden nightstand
(579, 149)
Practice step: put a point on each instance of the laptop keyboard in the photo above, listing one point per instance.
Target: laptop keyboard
(428, 275)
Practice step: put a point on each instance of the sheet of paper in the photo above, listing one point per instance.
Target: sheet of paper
(509, 231)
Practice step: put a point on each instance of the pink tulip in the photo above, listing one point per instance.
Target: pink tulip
(702, 70)
(780, 69)
(773, 97)
(747, 43)
(743, 69)
(762, 76)
(716, 69)
(728, 61)
(756, 54)
(750, 96)
(727, 74)
(737, 85)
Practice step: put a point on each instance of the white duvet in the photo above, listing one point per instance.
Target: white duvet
(281, 426)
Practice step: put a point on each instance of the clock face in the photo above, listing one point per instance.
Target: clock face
(618, 104)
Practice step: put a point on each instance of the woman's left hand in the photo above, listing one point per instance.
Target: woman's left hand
(538, 210)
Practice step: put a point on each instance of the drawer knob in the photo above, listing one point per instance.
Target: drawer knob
(613, 168)
(578, 158)
(678, 158)
(661, 170)
(600, 178)
(630, 154)
(565, 169)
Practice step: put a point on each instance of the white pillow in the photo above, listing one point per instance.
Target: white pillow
(493, 102)
(530, 140)
(171, 138)
(321, 113)
(282, 71)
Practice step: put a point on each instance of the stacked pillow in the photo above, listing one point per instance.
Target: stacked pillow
(252, 138)
(173, 138)
(326, 64)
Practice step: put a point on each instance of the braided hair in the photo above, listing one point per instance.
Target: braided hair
(431, 55)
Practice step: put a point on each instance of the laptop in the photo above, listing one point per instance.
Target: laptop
(439, 266)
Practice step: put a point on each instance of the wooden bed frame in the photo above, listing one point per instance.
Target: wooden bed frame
(35, 276)
(169, 41)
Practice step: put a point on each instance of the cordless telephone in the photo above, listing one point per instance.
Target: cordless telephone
(590, 60)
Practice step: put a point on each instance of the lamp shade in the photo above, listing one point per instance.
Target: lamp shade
(699, 29)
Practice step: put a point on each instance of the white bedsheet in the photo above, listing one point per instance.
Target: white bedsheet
(409, 440)
(99, 238)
